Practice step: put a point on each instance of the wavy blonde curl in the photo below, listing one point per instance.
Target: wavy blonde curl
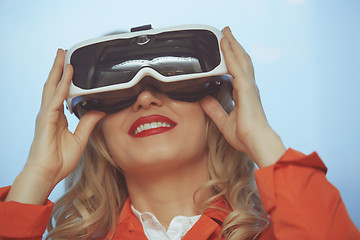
(232, 177)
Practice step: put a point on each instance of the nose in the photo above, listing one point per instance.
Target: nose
(148, 98)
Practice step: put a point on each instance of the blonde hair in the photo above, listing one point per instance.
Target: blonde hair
(232, 177)
(95, 193)
(96, 189)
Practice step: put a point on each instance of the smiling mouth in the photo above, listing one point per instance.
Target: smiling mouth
(151, 125)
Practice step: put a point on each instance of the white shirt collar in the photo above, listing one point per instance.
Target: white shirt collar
(153, 229)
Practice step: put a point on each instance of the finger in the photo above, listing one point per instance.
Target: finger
(238, 48)
(242, 79)
(62, 89)
(232, 42)
(230, 58)
(86, 125)
(241, 55)
(215, 111)
(232, 64)
(54, 78)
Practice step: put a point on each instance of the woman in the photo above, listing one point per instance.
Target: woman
(189, 177)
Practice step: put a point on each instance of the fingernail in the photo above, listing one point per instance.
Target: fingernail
(59, 50)
(227, 28)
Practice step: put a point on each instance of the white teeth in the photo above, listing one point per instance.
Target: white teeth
(147, 126)
(152, 125)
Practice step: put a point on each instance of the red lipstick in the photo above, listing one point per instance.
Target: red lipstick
(151, 125)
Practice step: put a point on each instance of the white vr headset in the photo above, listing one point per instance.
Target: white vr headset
(185, 62)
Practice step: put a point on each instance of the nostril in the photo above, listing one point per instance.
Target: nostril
(146, 99)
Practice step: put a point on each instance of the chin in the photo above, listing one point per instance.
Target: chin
(162, 158)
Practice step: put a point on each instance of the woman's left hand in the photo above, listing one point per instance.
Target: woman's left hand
(246, 128)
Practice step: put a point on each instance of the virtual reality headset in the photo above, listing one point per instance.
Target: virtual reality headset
(185, 62)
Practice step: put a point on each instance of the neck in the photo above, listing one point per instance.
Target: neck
(169, 193)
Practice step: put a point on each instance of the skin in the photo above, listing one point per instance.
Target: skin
(175, 165)
(55, 151)
(253, 133)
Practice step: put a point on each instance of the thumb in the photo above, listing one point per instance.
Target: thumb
(87, 124)
(215, 111)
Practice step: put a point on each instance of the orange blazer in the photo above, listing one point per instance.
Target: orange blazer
(301, 203)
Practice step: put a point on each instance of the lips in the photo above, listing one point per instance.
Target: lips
(151, 125)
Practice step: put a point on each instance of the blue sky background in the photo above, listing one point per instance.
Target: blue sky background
(305, 55)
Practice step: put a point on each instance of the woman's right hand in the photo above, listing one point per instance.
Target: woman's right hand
(55, 151)
(246, 127)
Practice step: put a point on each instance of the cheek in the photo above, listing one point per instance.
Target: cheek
(121, 147)
(112, 128)
(196, 124)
